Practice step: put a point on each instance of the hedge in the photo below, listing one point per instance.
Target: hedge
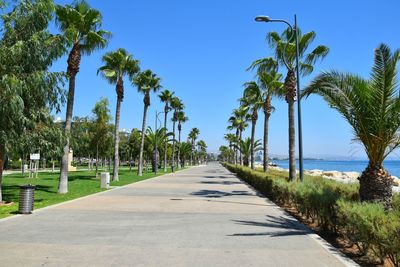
(334, 207)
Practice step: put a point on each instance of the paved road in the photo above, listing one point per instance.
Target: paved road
(203, 216)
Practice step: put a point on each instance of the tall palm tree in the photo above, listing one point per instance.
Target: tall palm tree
(80, 25)
(145, 81)
(166, 97)
(181, 118)
(270, 83)
(118, 64)
(245, 148)
(193, 134)
(239, 119)
(177, 105)
(372, 107)
(253, 98)
(285, 51)
(234, 125)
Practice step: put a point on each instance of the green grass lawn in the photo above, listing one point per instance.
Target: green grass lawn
(81, 183)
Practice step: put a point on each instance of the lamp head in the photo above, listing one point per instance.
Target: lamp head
(262, 19)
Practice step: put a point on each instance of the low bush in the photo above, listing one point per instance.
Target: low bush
(334, 207)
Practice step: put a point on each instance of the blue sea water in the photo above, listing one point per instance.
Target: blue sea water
(393, 166)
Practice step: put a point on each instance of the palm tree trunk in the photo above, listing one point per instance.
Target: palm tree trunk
(116, 140)
(376, 185)
(1, 171)
(290, 85)
(74, 59)
(253, 130)
(179, 151)
(240, 152)
(236, 150)
(140, 167)
(166, 143)
(63, 182)
(173, 145)
(267, 114)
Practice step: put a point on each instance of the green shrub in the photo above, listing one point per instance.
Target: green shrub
(335, 207)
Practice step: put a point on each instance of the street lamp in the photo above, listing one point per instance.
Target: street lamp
(155, 136)
(293, 30)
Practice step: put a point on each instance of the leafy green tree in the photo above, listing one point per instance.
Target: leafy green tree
(27, 87)
(285, 52)
(269, 81)
(80, 25)
(134, 145)
(372, 107)
(181, 118)
(177, 105)
(80, 137)
(146, 82)
(101, 131)
(245, 148)
(166, 97)
(118, 64)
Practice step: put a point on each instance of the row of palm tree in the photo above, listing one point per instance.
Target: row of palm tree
(371, 106)
(81, 27)
(258, 94)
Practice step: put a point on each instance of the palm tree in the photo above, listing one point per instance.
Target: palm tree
(285, 53)
(80, 25)
(177, 105)
(181, 118)
(253, 98)
(145, 81)
(118, 64)
(202, 147)
(166, 96)
(239, 120)
(155, 140)
(269, 81)
(185, 150)
(232, 139)
(372, 107)
(245, 148)
(193, 134)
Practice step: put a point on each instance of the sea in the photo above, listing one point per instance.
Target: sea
(393, 166)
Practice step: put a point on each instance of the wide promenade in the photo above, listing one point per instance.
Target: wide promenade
(202, 216)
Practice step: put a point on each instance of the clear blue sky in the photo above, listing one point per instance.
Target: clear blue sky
(202, 48)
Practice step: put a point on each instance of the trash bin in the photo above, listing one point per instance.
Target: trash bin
(26, 198)
(105, 180)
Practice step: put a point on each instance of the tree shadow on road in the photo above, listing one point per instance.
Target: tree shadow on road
(283, 227)
(218, 194)
(220, 182)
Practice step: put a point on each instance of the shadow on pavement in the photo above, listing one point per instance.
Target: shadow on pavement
(284, 227)
(222, 182)
(218, 194)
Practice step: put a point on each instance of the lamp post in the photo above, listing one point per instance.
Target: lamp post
(155, 145)
(294, 31)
